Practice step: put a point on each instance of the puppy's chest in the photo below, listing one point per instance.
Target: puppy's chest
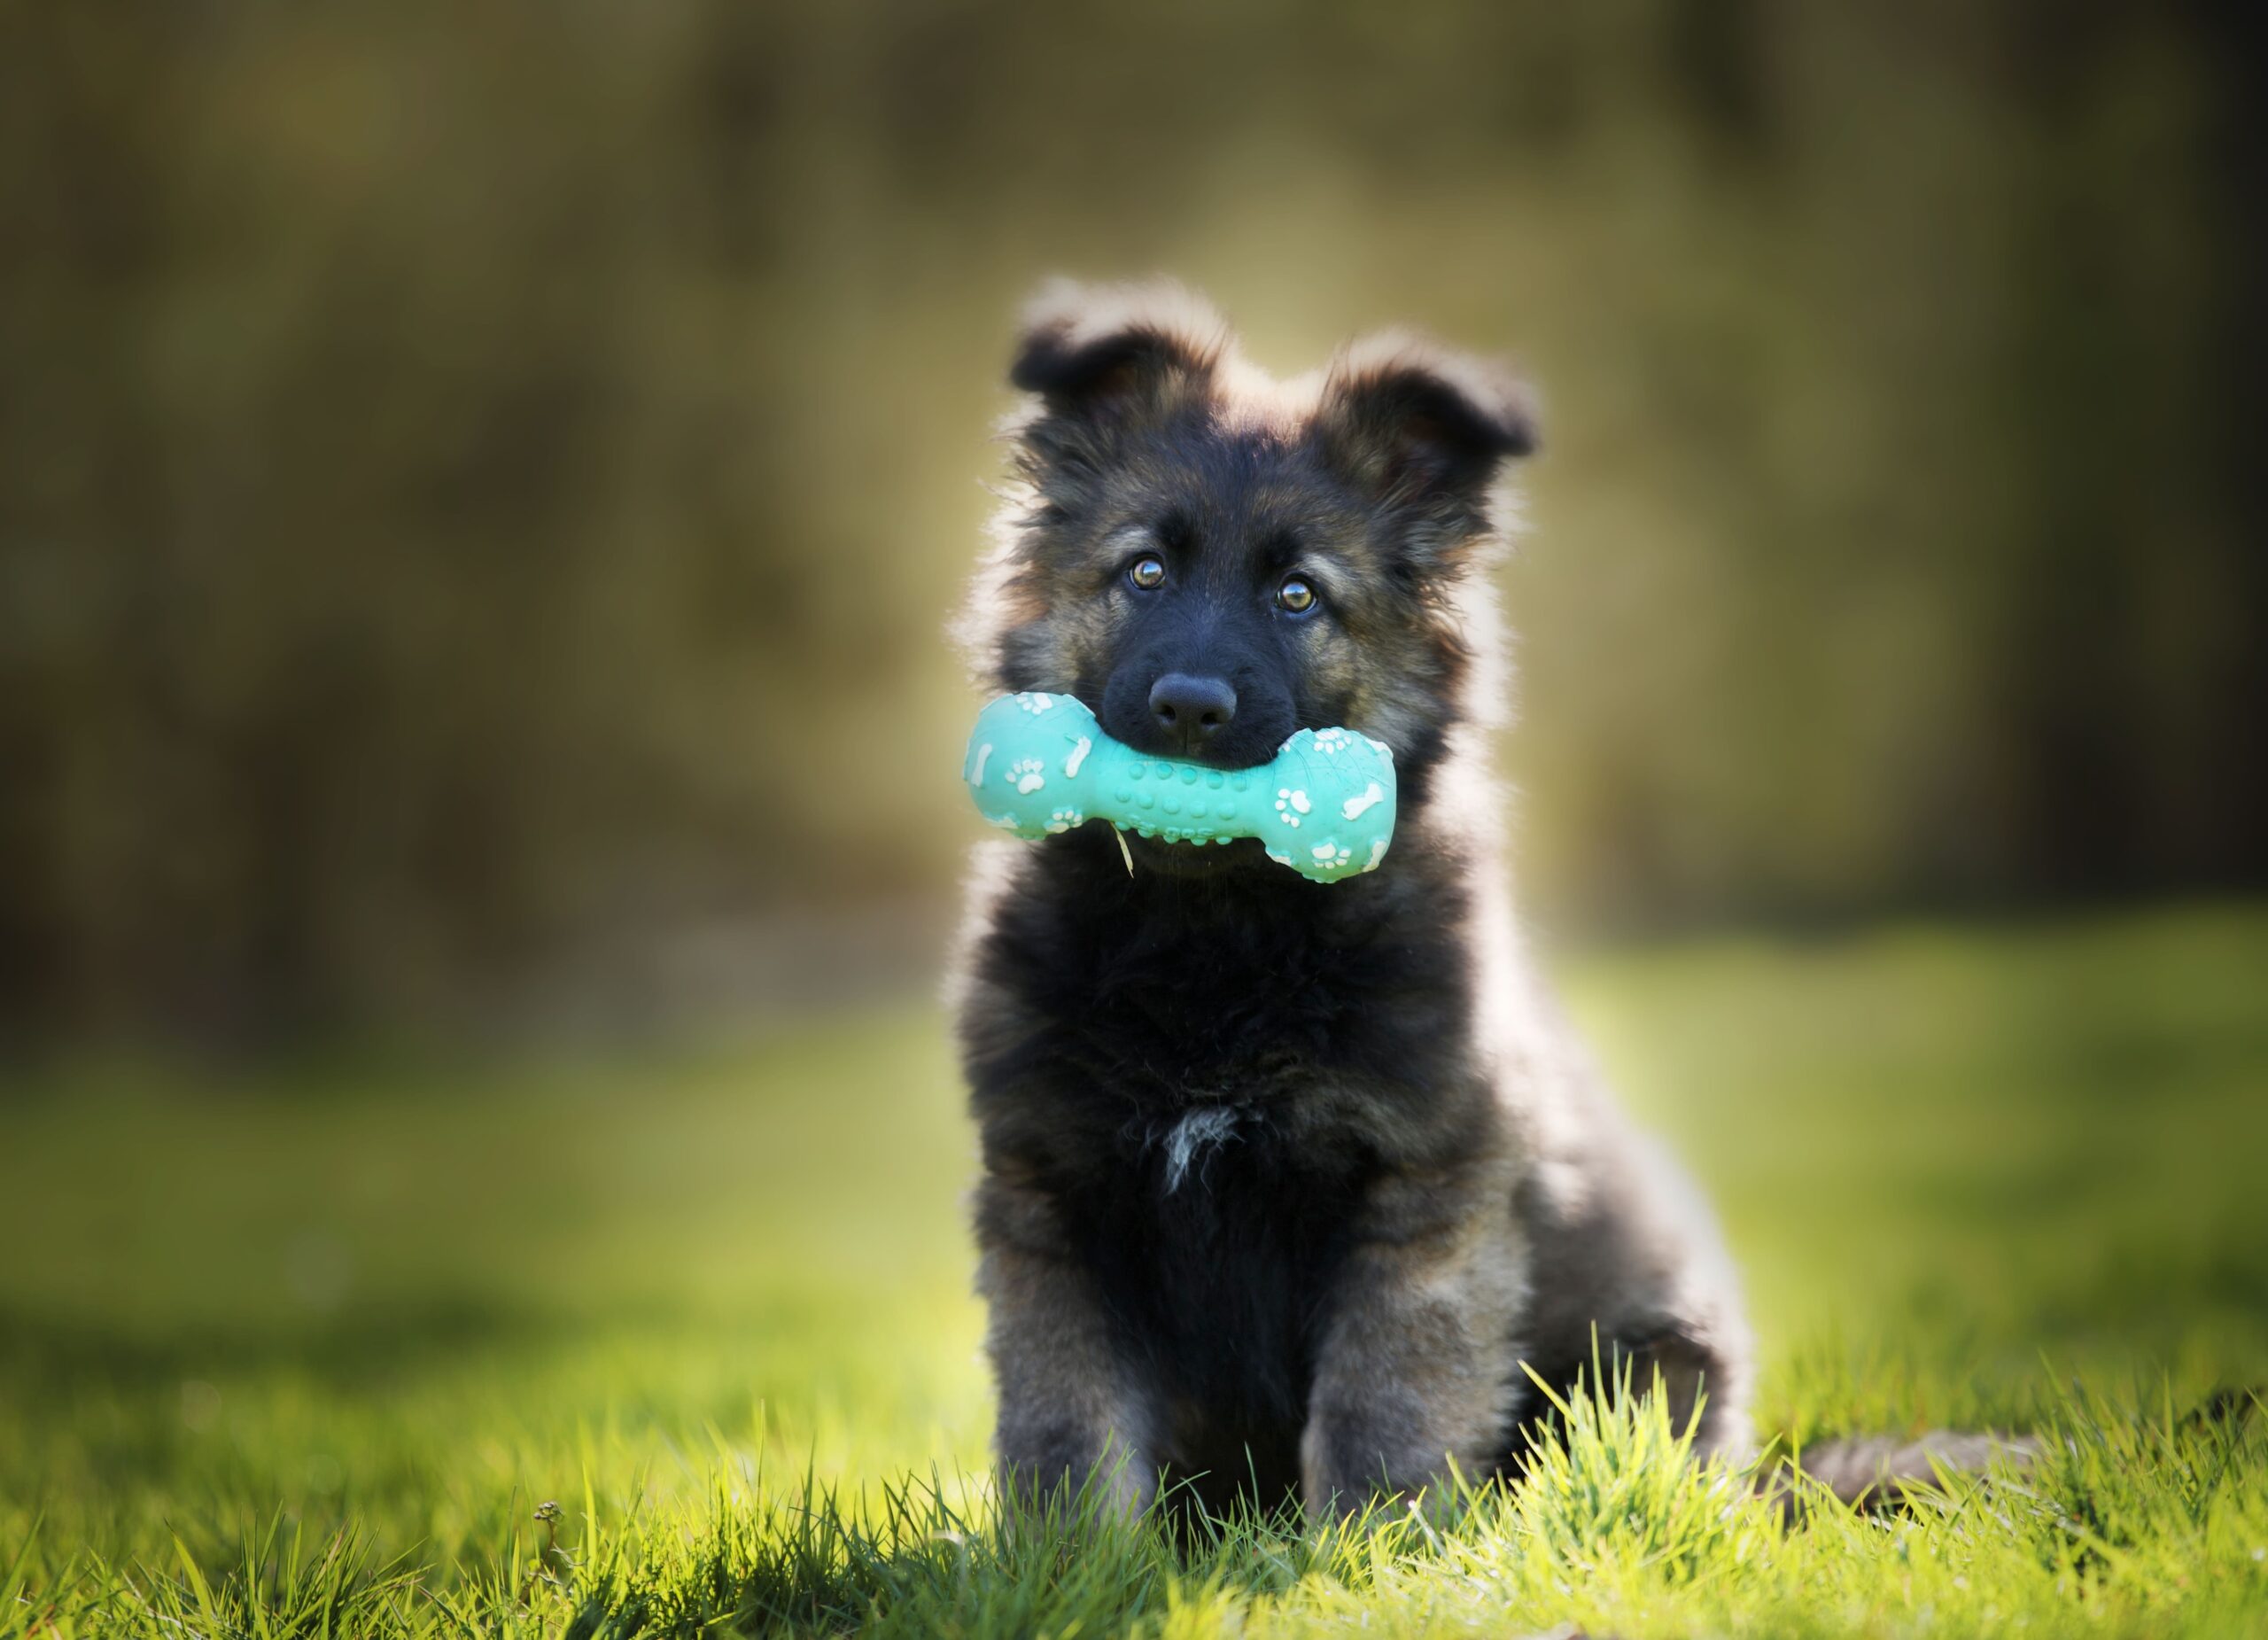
(1215, 1236)
(1192, 1035)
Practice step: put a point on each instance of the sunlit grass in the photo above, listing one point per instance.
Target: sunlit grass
(301, 1353)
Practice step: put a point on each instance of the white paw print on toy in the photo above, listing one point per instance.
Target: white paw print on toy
(1027, 774)
(1063, 819)
(1330, 742)
(1291, 805)
(1331, 855)
(1034, 701)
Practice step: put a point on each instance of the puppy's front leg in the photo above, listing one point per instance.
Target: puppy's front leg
(1070, 1403)
(1416, 1360)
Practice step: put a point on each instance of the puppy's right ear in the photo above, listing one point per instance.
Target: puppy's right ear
(1108, 354)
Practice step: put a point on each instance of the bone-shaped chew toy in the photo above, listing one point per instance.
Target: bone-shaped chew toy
(1325, 806)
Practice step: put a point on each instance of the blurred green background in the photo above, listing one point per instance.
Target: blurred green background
(480, 493)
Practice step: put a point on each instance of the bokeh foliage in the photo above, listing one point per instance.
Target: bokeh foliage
(481, 485)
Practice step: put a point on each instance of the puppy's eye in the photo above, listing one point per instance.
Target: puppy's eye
(1295, 596)
(1147, 572)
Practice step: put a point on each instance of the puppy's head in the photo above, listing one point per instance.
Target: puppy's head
(1211, 559)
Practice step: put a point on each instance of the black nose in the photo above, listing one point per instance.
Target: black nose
(1192, 709)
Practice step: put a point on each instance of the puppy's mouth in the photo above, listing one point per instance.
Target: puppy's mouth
(1230, 755)
(1193, 860)
(1251, 741)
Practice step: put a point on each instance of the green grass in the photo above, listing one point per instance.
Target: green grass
(299, 1352)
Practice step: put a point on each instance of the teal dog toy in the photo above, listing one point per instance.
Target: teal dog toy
(1040, 763)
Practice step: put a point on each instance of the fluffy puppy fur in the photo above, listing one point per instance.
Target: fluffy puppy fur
(1282, 1182)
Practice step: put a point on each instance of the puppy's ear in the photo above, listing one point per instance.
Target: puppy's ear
(1106, 355)
(1414, 426)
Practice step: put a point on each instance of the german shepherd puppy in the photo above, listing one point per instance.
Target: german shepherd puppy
(1282, 1181)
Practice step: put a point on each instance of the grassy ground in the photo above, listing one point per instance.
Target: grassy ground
(302, 1354)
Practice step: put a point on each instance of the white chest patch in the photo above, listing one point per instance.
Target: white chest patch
(1188, 1140)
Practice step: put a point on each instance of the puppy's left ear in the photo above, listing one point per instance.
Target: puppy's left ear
(1416, 426)
(1104, 354)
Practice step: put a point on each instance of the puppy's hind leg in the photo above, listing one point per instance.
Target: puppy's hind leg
(1705, 1387)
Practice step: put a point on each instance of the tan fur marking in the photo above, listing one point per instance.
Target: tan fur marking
(1067, 1402)
(1415, 1370)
